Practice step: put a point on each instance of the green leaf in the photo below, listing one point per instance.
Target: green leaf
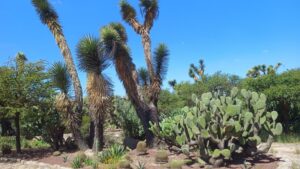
(226, 153)
(202, 122)
(205, 134)
(274, 115)
(216, 153)
(262, 120)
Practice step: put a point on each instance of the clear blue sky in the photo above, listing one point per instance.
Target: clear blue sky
(231, 36)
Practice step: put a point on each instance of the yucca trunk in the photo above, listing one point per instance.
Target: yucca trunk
(127, 73)
(146, 41)
(96, 96)
(62, 44)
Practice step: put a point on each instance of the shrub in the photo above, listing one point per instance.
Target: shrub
(219, 126)
(6, 149)
(76, 163)
(112, 155)
(126, 118)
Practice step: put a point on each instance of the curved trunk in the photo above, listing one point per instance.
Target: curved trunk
(62, 44)
(127, 73)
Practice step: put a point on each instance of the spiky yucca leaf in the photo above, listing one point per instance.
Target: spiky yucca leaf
(60, 77)
(45, 10)
(161, 54)
(90, 56)
(120, 29)
(149, 8)
(128, 12)
(109, 38)
(144, 78)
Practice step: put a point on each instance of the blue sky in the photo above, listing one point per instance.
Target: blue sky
(231, 36)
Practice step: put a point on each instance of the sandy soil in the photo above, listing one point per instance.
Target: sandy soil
(289, 154)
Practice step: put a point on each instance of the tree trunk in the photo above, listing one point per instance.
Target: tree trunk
(96, 137)
(56, 30)
(18, 138)
(91, 134)
(146, 41)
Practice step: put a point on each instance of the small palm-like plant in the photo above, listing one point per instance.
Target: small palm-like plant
(94, 62)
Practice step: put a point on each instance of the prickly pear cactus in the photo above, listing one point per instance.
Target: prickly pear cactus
(219, 126)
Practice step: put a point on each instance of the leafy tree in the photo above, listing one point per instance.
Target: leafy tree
(49, 17)
(99, 88)
(24, 88)
(283, 95)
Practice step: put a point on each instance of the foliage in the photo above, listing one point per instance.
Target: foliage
(6, 148)
(125, 117)
(283, 93)
(288, 138)
(76, 163)
(220, 126)
(141, 165)
(112, 155)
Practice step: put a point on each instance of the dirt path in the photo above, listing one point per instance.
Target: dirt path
(289, 154)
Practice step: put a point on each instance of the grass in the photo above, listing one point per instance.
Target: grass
(288, 138)
(297, 151)
(10, 140)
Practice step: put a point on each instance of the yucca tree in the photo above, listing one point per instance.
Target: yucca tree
(197, 72)
(259, 70)
(150, 10)
(49, 17)
(99, 89)
(114, 38)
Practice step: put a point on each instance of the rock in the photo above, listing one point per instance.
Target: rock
(89, 153)
(56, 153)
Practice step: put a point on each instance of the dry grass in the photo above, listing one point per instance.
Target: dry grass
(297, 151)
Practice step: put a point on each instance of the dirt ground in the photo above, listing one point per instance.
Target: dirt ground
(281, 156)
(289, 154)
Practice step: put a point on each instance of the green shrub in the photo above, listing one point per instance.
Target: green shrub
(76, 163)
(219, 126)
(112, 155)
(125, 117)
(38, 144)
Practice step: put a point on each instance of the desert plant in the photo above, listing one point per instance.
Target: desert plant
(219, 126)
(81, 155)
(124, 164)
(176, 164)
(99, 87)
(112, 155)
(65, 158)
(141, 147)
(141, 165)
(76, 163)
(161, 157)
